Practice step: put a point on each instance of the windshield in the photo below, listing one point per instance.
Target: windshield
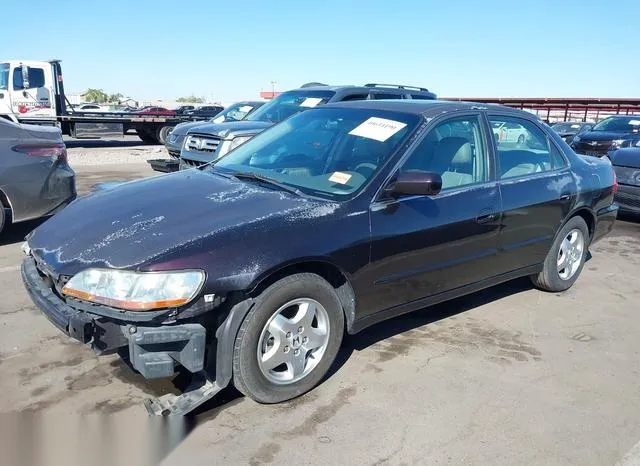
(4, 76)
(235, 112)
(329, 152)
(290, 103)
(567, 127)
(619, 124)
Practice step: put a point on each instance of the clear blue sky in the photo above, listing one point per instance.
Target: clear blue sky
(228, 50)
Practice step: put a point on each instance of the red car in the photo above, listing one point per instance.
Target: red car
(155, 111)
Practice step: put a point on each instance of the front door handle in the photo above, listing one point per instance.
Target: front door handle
(565, 196)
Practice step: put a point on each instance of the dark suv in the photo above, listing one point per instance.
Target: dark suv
(211, 141)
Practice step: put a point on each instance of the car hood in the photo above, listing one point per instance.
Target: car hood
(629, 157)
(182, 128)
(232, 128)
(606, 135)
(143, 223)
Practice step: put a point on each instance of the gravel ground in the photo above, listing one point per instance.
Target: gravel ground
(127, 150)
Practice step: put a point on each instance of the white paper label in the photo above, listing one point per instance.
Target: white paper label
(219, 119)
(340, 178)
(634, 122)
(311, 102)
(575, 126)
(246, 108)
(379, 129)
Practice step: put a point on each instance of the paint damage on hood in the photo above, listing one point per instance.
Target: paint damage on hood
(143, 223)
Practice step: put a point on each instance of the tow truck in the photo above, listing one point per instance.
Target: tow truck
(33, 92)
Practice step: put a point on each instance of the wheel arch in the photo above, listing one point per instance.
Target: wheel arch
(329, 271)
(587, 215)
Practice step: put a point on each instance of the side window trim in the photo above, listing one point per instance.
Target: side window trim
(422, 134)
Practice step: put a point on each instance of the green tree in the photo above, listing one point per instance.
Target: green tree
(115, 98)
(192, 99)
(97, 96)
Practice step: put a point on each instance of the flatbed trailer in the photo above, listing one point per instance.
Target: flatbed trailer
(32, 92)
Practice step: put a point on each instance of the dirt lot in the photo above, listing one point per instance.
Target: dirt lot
(507, 376)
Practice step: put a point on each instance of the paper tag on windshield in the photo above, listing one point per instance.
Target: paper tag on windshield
(246, 108)
(634, 122)
(220, 119)
(311, 102)
(575, 126)
(379, 129)
(340, 178)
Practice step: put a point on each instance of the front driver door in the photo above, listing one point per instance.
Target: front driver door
(422, 246)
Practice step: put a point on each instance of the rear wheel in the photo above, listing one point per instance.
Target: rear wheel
(162, 133)
(288, 340)
(566, 258)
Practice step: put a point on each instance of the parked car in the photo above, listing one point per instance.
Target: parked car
(35, 179)
(509, 132)
(626, 163)
(206, 111)
(206, 143)
(151, 110)
(90, 108)
(183, 109)
(198, 270)
(236, 112)
(608, 135)
(569, 129)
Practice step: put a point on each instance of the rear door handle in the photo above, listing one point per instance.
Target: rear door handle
(565, 196)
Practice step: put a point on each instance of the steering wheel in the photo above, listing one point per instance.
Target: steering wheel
(366, 169)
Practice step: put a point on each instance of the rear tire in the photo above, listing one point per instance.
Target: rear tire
(162, 133)
(566, 258)
(280, 328)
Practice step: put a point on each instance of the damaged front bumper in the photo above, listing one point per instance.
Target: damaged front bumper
(154, 351)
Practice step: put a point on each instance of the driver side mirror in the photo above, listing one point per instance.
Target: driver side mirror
(416, 183)
(25, 76)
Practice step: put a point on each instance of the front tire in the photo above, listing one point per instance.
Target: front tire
(566, 258)
(289, 339)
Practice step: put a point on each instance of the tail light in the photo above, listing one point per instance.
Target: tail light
(614, 188)
(56, 151)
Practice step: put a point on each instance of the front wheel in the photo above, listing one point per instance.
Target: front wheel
(289, 339)
(566, 258)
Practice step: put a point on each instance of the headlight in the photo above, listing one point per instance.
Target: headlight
(238, 141)
(617, 143)
(135, 291)
(173, 137)
(576, 138)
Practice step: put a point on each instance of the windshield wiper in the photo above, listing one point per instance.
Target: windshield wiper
(267, 180)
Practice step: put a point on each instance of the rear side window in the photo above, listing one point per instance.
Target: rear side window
(421, 97)
(386, 95)
(355, 97)
(523, 148)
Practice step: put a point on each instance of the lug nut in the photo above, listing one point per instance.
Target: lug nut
(305, 339)
(286, 349)
(288, 334)
(300, 329)
(296, 352)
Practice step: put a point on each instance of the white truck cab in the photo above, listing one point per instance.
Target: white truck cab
(27, 90)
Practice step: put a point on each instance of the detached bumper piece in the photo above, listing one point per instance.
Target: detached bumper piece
(165, 165)
(202, 389)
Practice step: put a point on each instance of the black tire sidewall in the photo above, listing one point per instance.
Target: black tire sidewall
(163, 133)
(247, 375)
(557, 283)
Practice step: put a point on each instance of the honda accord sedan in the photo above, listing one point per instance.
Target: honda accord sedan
(35, 179)
(249, 270)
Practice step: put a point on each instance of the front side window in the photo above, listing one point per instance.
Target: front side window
(329, 152)
(523, 148)
(235, 112)
(290, 103)
(454, 149)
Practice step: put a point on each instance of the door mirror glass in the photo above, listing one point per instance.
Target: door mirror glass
(417, 183)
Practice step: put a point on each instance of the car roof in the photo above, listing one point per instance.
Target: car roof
(426, 107)
(368, 89)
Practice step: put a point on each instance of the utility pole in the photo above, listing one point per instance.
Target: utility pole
(273, 89)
